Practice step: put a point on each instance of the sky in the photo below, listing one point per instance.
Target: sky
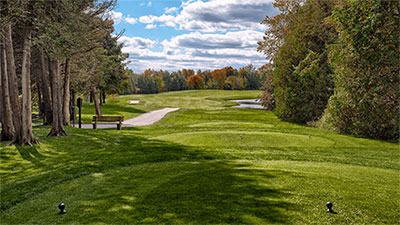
(192, 34)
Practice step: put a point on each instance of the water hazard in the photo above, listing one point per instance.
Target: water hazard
(248, 104)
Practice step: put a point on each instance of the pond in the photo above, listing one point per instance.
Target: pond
(248, 104)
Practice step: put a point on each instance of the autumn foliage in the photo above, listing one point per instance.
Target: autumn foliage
(228, 78)
(219, 77)
(196, 82)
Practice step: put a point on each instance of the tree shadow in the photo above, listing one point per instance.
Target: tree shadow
(31, 154)
(194, 189)
(221, 192)
(205, 192)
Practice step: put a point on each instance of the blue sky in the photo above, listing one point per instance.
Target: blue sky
(192, 34)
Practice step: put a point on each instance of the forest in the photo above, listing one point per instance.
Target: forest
(335, 65)
(50, 52)
(228, 78)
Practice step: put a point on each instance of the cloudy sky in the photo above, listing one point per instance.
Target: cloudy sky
(193, 34)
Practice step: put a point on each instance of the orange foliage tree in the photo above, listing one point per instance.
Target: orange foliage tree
(219, 77)
(196, 82)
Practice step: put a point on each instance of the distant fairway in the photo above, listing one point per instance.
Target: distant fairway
(206, 163)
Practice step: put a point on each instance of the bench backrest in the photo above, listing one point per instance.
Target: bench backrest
(108, 118)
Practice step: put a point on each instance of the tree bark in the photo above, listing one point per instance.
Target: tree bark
(12, 81)
(26, 136)
(67, 97)
(1, 86)
(91, 97)
(101, 97)
(57, 128)
(72, 103)
(96, 101)
(1, 94)
(8, 130)
(39, 93)
(46, 90)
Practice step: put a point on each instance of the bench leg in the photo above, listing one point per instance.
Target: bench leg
(94, 125)
(119, 127)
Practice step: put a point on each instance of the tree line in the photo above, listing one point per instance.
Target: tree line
(228, 78)
(335, 64)
(50, 52)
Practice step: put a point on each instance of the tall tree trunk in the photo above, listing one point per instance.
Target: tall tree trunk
(96, 101)
(67, 99)
(57, 128)
(91, 97)
(26, 136)
(101, 97)
(8, 130)
(39, 93)
(1, 94)
(45, 89)
(72, 103)
(12, 81)
(1, 86)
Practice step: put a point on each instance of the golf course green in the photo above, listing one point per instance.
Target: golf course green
(206, 163)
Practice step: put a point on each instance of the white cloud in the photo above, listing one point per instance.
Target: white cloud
(197, 51)
(149, 4)
(142, 4)
(230, 40)
(116, 16)
(150, 26)
(170, 24)
(217, 15)
(137, 42)
(170, 10)
(224, 15)
(151, 19)
(130, 20)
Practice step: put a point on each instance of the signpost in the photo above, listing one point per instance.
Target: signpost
(79, 104)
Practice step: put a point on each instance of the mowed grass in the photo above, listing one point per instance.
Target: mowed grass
(206, 163)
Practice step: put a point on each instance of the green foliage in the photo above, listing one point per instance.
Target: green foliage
(113, 67)
(302, 79)
(268, 97)
(366, 61)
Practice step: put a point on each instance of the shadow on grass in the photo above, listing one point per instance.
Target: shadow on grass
(182, 192)
(31, 154)
(216, 193)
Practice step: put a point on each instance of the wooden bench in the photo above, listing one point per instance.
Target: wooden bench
(118, 119)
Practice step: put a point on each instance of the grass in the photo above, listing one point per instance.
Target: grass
(193, 167)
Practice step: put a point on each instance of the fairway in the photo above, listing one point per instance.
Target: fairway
(205, 163)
